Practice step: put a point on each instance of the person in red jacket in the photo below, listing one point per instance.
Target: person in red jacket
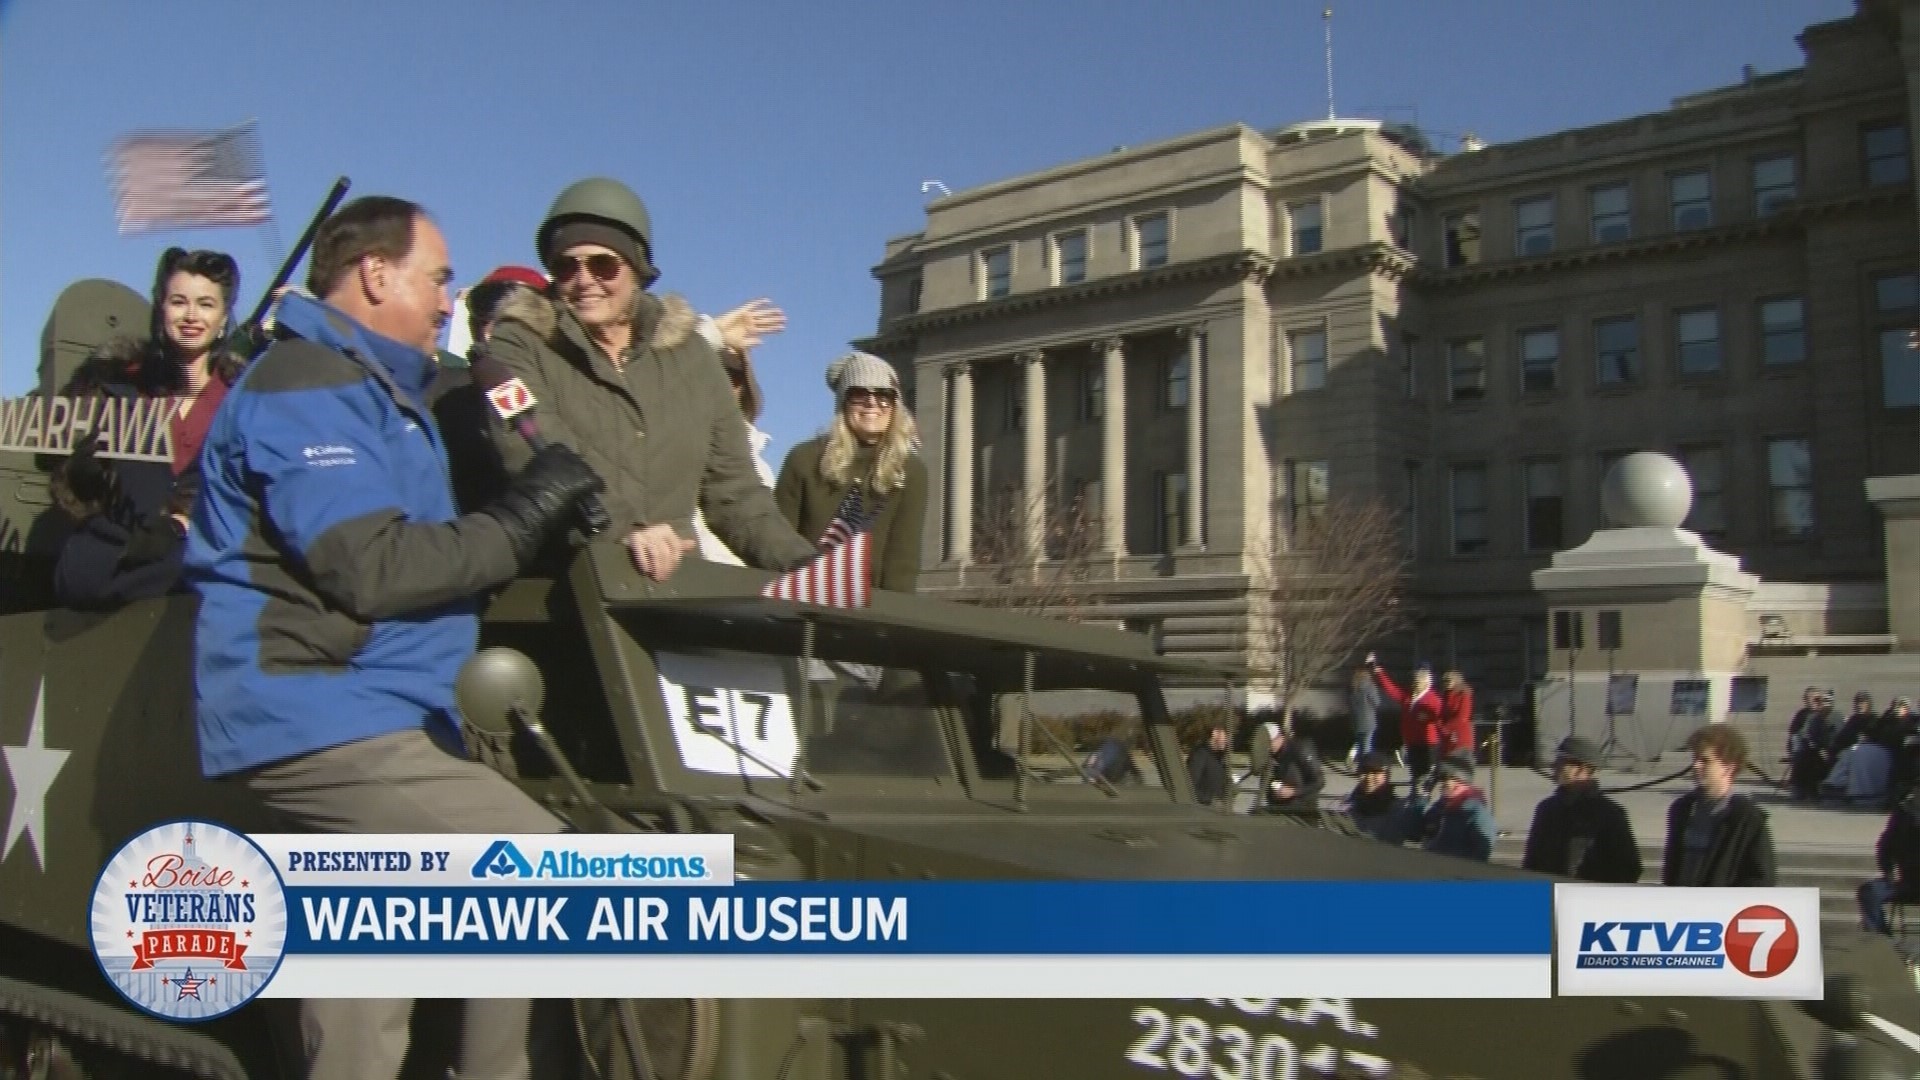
(1456, 715)
(1420, 713)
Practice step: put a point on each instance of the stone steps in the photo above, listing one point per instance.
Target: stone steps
(1835, 873)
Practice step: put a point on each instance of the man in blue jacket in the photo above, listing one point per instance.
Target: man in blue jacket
(338, 590)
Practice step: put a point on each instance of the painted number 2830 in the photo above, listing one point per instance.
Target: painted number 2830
(1194, 1048)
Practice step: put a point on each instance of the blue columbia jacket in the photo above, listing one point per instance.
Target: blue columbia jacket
(337, 583)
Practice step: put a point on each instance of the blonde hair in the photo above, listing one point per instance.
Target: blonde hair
(890, 463)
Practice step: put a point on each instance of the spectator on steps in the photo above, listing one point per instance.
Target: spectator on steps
(1898, 854)
(1715, 837)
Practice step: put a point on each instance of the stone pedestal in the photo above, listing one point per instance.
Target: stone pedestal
(1680, 608)
(1898, 498)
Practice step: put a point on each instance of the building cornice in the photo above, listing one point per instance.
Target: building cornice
(1790, 221)
(1236, 264)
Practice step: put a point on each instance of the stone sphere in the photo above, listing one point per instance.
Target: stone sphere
(1646, 489)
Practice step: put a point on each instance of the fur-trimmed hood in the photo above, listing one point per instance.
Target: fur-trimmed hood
(143, 367)
(666, 321)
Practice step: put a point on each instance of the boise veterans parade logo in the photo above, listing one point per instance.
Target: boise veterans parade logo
(189, 920)
(1736, 942)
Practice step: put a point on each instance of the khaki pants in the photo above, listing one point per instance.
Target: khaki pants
(401, 783)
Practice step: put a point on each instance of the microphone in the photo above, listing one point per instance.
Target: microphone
(514, 403)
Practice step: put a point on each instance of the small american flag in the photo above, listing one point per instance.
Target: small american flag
(842, 575)
(189, 179)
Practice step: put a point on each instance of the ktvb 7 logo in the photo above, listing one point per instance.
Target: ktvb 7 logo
(1760, 941)
(510, 398)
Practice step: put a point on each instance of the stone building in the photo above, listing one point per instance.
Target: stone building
(1206, 339)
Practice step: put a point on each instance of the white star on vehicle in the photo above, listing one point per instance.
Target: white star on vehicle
(31, 768)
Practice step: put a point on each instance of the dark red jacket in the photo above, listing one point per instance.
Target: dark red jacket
(1419, 718)
(1456, 722)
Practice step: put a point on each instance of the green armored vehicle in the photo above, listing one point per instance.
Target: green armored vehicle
(912, 739)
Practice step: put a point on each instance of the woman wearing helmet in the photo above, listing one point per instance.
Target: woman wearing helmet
(624, 378)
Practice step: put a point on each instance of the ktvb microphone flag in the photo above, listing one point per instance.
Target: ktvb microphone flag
(192, 920)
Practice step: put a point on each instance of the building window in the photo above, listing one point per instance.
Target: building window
(1533, 225)
(1411, 516)
(1691, 194)
(1308, 351)
(1175, 386)
(1706, 466)
(1306, 495)
(1467, 369)
(1790, 483)
(1896, 300)
(1616, 344)
(1013, 399)
(1608, 459)
(1173, 509)
(1150, 237)
(1469, 503)
(1539, 361)
(1070, 257)
(1776, 182)
(1093, 390)
(1612, 213)
(1533, 642)
(1545, 529)
(1306, 221)
(1410, 365)
(1783, 331)
(996, 272)
(1697, 337)
(913, 294)
(1886, 150)
(1461, 233)
(1400, 224)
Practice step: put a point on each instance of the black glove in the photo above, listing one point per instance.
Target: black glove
(87, 476)
(152, 540)
(542, 497)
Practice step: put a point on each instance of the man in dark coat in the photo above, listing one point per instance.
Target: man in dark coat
(1898, 853)
(1808, 737)
(1577, 831)
(1207, 765)
(1716, 838)
(1294, 775)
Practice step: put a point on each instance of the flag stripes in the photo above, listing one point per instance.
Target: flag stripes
(842, 575)
(187, 179)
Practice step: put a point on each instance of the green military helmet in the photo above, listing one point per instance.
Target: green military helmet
(601, 200)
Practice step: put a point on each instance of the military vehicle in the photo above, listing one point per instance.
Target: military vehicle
(910, 739)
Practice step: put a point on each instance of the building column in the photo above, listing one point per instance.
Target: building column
(1034, 461)
(1113, 447)
(960, 464)
(1196, 345)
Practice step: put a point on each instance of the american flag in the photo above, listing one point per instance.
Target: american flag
(188, 179)
(842, 575)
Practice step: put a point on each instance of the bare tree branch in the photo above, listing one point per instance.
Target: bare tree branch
(1039, 570)
(1340, 586)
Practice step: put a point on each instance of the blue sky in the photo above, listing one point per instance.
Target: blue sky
(777, 145)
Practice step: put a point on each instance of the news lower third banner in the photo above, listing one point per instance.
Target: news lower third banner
(191, 920)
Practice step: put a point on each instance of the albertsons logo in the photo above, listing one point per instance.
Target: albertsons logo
(503, 860)
(1761, 941)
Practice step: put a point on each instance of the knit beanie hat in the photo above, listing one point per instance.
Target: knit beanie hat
(860, 371)
(1455, 766)
(586, 230)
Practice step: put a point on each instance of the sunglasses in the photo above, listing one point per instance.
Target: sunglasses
(604, 266)
(882, 398)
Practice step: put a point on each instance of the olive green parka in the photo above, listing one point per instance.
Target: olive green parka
(810, 500)
(664, 433)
